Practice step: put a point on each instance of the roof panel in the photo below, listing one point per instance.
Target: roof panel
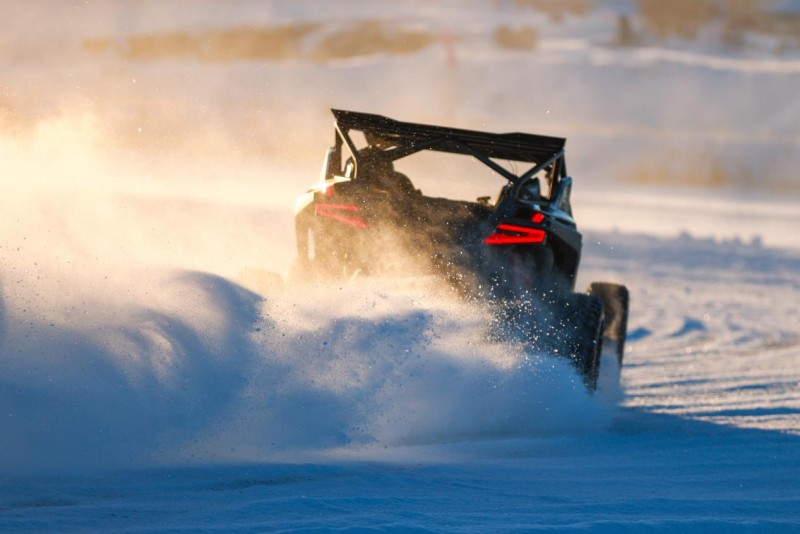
(508, 146)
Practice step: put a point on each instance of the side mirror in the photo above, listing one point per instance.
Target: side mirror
(330, 165)
(531, 190)
(561, 199)
(349, 168)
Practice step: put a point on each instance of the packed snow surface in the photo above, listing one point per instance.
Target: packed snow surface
(157, 376)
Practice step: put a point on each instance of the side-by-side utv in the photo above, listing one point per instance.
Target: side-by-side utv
(518, 247)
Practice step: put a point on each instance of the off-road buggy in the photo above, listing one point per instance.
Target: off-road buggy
(519, 253)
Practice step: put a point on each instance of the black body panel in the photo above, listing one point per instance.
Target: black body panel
(363, 212)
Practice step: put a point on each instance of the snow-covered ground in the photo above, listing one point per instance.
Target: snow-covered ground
(147, 386)
(381, 406)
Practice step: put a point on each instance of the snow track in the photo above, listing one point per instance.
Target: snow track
(713, 327)
(702, 436)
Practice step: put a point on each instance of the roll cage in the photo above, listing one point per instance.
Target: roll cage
(399, 139)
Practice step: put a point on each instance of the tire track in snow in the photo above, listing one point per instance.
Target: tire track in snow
(714, 328)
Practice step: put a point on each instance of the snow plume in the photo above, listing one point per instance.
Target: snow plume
(107, 342)
(72, 199)
(197, 369)
(125, 341)
(388, 363)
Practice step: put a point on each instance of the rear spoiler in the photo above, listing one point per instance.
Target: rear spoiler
(406, 138)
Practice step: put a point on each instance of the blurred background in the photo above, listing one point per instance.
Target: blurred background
(695, 92)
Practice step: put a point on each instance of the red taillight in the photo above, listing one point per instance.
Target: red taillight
(341, 212)
(537, 217)
(511, 234)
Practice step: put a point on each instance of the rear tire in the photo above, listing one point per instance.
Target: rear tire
(616, 300)
(328, 254)
(576, 332)
(570, 327)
